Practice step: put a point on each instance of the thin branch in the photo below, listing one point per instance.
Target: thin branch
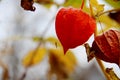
(91, 9)
(83, 2)
(95, 34)
(99, 61)
(108, 11)
(37, 48)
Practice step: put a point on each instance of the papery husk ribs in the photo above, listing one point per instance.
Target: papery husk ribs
(107, 46)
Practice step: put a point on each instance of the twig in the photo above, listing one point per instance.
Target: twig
(37, 48)
(99, 61)
(95, 34)
(108, 11)
(83, 1)
(102, 68)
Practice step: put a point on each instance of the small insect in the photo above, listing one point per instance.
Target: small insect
(105, 47)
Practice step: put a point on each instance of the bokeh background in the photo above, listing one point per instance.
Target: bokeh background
(24, 34)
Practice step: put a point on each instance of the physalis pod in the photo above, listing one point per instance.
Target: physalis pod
(73, 27)
(106, 47)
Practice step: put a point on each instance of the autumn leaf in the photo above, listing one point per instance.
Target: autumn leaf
(115, 16)
(108, 23)
(60, 64)
(33, 58)
(97, 8)
(53, 41)
(89, 52)
(28, 5)
(68, 60)
(113, 3)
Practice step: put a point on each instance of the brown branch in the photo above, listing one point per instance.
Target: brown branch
(37, 48)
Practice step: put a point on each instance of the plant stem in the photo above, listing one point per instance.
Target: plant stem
(102, 68)
(108, 11)
(91, 9)
(83, 1)
(37, 48)
(95, 34)
(100, 62)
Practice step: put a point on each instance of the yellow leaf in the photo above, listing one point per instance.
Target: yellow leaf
(71, 57)
(33, 57)
(60, 62)
(36, 39)
(54, 41)
(97, 8)
(100, 8)
(94, 3)
(108, 23)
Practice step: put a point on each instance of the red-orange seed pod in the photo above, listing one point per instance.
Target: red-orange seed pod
(107, 46)
(73, 27)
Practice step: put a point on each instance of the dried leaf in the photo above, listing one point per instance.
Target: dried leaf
(76, 28)
(107, 46)
(5, 74)
(60, 61)
(28, 5)
(33, 58)
(89, 51)
(111, 74)
(115, 16)
(5, 71)
(60, 64)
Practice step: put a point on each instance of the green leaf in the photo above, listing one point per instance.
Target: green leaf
(113, 3)
(73, 3)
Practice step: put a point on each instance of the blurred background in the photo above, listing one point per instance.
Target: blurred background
(30, 50)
